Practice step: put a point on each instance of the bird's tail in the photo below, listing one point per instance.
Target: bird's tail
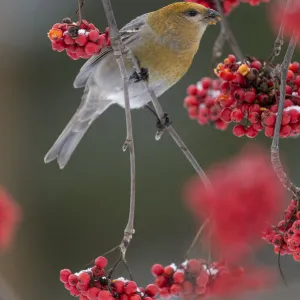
(75, 130)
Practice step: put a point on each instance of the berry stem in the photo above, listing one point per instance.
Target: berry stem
(119, 52)
(196, 238)
(79, 10)
(225, 30)
(279, 40)
(275, 156)
(110, 272)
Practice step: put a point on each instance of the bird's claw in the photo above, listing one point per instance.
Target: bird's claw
(161, 125)
(142, 76)
(164, 122)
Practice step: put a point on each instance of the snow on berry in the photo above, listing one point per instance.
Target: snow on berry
(246, 195)
(285, 236)
(93, 284)
(199, 279)
(80, 40)
(245, 94)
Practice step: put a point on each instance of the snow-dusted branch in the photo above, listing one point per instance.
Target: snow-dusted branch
(119, 52)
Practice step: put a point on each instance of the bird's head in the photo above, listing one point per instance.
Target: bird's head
(182, 21)
(192, 13)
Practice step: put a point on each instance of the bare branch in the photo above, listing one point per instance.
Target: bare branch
(225, 29)
(196, 238)
(279, 40)
(170, 129)
(79, 10)
(119, 52)
(275, 156)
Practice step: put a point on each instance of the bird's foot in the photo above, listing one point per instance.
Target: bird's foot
(164, 122)
(161, 125)
(142, 76)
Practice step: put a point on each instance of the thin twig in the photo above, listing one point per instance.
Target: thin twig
(170, 129)
(196, 238)
(275, 156)
(115, 265)
(128, 269)
(228, 33)
(279, 40)
(188, 154)
(78, 12)
(119, 52)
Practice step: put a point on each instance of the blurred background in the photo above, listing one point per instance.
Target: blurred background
(74, 215)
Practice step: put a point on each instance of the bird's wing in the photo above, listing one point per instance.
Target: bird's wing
(129, 33)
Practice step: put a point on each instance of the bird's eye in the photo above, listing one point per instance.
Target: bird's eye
(192, 12)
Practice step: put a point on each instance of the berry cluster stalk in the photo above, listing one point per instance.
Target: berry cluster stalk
(119, 52)
(275, 143)
(279, 40)
(226, 34)
(79, 11)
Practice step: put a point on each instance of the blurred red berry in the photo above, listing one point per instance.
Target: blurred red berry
(157, 270)
(257, 196)
(151, 290)
(10, 216)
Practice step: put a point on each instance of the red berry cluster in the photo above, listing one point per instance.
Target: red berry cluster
(246, 95)
(227, 5)
(201, 105)
(286, 235)
(93, 284)
(80, 40)
(197, 279)
(250, 182)
(188, 280)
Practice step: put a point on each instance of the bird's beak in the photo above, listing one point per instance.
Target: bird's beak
(212, 16)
